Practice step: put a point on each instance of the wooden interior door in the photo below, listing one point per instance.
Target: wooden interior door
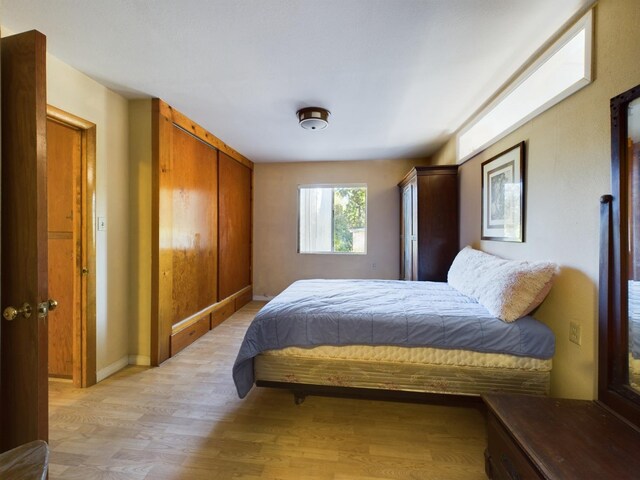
(23, 394)
(64, 150)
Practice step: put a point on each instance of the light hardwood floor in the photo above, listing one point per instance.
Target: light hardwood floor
(184, 420)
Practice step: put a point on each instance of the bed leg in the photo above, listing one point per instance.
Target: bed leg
(298, 398)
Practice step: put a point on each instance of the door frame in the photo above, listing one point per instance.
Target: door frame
(84, 334)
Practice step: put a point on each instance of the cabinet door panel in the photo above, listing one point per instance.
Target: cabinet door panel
(234, 234)
(437, 225)
(193, 224)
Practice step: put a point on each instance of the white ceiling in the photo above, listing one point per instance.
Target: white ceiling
(399, 76)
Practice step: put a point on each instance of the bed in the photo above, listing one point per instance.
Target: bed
(387, 335)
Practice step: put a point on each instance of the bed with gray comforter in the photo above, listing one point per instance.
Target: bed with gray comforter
(311, 313)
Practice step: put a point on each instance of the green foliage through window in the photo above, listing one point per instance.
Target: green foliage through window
(349, 217)
(333, 219)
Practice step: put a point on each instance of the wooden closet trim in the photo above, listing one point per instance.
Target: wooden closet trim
(181, 120)
(84, 344)
(161, 143)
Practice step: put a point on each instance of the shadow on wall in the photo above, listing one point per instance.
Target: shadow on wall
(573, 298)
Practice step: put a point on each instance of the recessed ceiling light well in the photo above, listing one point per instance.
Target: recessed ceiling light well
(313, 118)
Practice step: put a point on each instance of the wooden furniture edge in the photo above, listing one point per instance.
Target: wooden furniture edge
(567, 417)
(89, 369)
(190, 320)
(200, 132)
(302, 390)
(519, 442)
(67, 118)
(185, 337)
(428, 170)
(158, 355)
(195, 326)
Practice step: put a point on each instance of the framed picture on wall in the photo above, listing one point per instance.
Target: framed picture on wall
(503, 196)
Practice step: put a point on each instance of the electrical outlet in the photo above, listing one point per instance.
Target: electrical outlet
(373, 266)
(575, 333)
(102, 224)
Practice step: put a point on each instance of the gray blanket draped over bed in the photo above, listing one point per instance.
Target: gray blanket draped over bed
(383, 312)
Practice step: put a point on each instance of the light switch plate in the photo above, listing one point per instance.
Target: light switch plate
(102, 224)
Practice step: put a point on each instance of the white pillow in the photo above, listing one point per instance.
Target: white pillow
(509, 289)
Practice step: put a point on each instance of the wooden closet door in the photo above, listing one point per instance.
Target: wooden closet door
(234, 234)
(193, 224)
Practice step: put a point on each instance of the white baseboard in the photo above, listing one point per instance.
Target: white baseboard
(113, 368)
(142, 360)
(263, 298)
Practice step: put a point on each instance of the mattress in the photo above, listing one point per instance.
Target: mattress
(415, 355)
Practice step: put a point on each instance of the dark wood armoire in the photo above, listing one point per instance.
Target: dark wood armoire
(428, 222)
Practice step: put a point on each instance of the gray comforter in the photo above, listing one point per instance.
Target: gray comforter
(383, 312)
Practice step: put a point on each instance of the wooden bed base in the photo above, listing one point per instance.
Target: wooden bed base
(301, 391)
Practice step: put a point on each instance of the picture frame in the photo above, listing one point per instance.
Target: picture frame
(503, 195)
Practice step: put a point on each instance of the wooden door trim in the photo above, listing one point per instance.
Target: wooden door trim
(84, 337)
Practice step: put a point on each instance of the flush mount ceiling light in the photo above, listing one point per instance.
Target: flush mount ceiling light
(313, 118)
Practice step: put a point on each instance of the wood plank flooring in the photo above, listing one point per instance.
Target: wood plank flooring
(183, 420)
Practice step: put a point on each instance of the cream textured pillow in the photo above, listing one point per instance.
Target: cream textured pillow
(509, 289)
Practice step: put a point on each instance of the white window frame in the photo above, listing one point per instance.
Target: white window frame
(584, 23)
(334, 185)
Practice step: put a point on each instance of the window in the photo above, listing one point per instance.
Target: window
(562, 70)
(332, 219)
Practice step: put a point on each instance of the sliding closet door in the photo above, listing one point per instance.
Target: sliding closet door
(194, 241)
(185, 184)
(235, 226)
(200, 231)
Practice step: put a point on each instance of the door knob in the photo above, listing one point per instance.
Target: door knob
(10, 313)
(45, 307)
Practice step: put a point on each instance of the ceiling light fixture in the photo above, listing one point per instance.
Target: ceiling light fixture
(313, 118)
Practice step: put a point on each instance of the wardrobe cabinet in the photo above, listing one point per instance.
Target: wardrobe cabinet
(428, 222)
(200, 231)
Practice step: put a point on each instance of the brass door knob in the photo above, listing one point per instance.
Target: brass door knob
(11, 313)
(45, 307)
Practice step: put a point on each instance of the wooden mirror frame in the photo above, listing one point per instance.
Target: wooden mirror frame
(613, 357)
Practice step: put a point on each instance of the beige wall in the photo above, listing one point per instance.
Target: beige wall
(76, 93)
(275, 262)
(140, 228)
(568, 169)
